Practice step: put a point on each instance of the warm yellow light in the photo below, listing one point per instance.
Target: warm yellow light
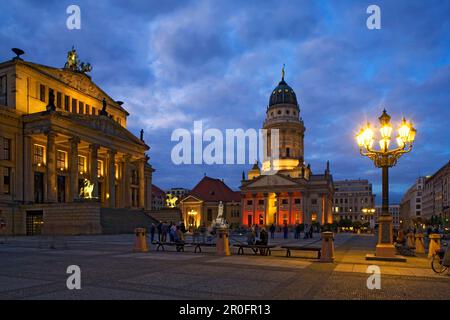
(412, 135)
(39, 164)
(384, 144)
(360, 138)
(368, 135)
(403, 130)
(400, 142)
(386, 131)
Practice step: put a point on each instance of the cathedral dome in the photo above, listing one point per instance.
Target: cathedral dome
(283, 94)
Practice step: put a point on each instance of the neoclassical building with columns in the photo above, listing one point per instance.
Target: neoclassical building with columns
(284, 190)
(66, 154)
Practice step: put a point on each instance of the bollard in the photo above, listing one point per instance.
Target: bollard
(420, 246)
(222, 243)
(327, 254)
(140, 242)
(410, 240)
(434, 244)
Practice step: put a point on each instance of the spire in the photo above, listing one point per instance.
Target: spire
(282, 72)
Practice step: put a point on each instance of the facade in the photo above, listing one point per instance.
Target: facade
(178, 192)
(353, 200)
(284, 190)
(158, 198)
(436, 196)
(411, 205)
(66, 152)
(201, 205)
(394, 210)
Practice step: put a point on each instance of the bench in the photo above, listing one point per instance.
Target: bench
(178, 245)
(301, 248)
(263, 250)
(198, 246)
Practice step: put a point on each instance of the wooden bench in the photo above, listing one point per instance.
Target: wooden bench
(263, 250)
(301, 248)
(178, 245)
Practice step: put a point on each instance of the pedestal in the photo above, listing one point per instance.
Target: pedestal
(420, 246)
(327, 254)
(435, 244)
(385, 248)
(140, 242)
(222, 243)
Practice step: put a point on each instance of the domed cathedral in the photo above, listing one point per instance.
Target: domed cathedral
(284, 189)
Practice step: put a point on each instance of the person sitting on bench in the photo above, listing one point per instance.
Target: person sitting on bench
(179, 236)
(250, 236)
(263, 238)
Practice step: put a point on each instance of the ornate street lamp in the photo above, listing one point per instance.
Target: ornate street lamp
(385, 158)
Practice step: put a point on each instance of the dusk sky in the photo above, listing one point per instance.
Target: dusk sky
(176, 62)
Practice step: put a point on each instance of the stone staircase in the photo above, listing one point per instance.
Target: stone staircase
(122, 221)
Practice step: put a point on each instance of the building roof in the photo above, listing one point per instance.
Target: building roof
(283, 94)
(158, 191)
(210, 189)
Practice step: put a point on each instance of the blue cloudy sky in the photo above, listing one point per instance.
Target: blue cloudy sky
(174, 62)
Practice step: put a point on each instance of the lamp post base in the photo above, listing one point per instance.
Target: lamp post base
(385, 250)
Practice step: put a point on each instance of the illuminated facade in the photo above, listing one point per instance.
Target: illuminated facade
(201, 205)
(66, 152)
(284, 190)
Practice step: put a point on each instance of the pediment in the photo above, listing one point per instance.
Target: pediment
(78, 81)
(271, 181)
(105, 125)
(191, 198)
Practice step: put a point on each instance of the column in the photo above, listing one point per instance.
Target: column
(254, 208)
(73, 167)
(141, 172)
(51, 167)
(93, 148)
(290, 208)
(243, 211)
(28, 189)
(112, 178)
(277, 199)
(266, 206)
(126, 182)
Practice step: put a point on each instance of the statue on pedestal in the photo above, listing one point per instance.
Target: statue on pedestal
(220, 222)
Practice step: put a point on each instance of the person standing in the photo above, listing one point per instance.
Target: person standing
(164, 229)
(152, 232)
(286, 231)
(311, 231)
(159, 227)
(272, 231)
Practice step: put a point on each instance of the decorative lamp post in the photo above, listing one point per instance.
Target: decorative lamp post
(385, 158)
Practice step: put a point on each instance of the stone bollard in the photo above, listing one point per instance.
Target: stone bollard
(222, 243)
(420, 246)
(410, 240)
(327, 254)
(435, 244)
(140, 242)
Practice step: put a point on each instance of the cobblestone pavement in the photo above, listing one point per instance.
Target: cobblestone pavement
(35, 268)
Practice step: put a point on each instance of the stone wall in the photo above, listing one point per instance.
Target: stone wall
(167, 215)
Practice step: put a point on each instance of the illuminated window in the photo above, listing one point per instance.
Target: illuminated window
(59, 100)
(100, 168)
(61, 160)
(314, 217)
(81, 164)
(66, 103)
(38, 154)
(87, 109)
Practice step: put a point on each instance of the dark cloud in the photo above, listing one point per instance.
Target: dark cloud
(174, 62)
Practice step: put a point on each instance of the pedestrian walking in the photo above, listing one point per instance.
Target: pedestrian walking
(272, 231)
